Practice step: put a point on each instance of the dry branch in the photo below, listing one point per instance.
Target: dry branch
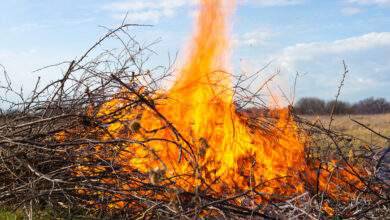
(52, 154)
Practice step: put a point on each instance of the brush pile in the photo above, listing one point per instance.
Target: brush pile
(53, 156)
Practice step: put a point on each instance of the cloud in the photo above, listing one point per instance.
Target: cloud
(142, 16)
(30, 27)
(366, 55)
(253, 38)
(309, 51)
(147, 10)
(351, 11)
(274, 3)
(370, 2)
(353, 7)
(154, 11)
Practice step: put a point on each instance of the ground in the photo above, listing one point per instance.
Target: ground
(343, 123)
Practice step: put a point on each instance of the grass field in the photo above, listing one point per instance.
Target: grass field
(379, 123)
(8, 215)
(21, 215)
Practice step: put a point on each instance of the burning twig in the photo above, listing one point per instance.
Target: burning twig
(106, 138)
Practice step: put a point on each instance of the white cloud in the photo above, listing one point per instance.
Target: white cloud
(271, 3)
(353, 7)
(370, 2)
(309, 51)
(142, 16)
(253, 38)
(155, 10)
(321, 65)
(147, 10)
(351, 11)
(29, 27)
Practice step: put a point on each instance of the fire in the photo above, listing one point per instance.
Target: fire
(192, 137)
(222, 152)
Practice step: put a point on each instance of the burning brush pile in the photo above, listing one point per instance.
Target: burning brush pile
(107, 140)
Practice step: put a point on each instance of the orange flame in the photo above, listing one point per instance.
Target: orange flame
(200, 106)
(193, 135)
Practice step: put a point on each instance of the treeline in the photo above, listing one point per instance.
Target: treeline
(316, 106)
(305, 106)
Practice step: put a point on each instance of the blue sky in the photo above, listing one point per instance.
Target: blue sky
(311, 37)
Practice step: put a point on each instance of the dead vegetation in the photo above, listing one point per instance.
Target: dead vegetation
(52, 155)
(346, 124)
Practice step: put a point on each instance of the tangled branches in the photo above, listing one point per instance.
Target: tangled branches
(58, 151)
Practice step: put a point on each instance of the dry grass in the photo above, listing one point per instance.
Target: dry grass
(343, 123)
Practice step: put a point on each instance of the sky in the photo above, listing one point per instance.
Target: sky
(309, 37)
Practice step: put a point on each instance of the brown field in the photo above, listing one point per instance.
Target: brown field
(343, 123)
